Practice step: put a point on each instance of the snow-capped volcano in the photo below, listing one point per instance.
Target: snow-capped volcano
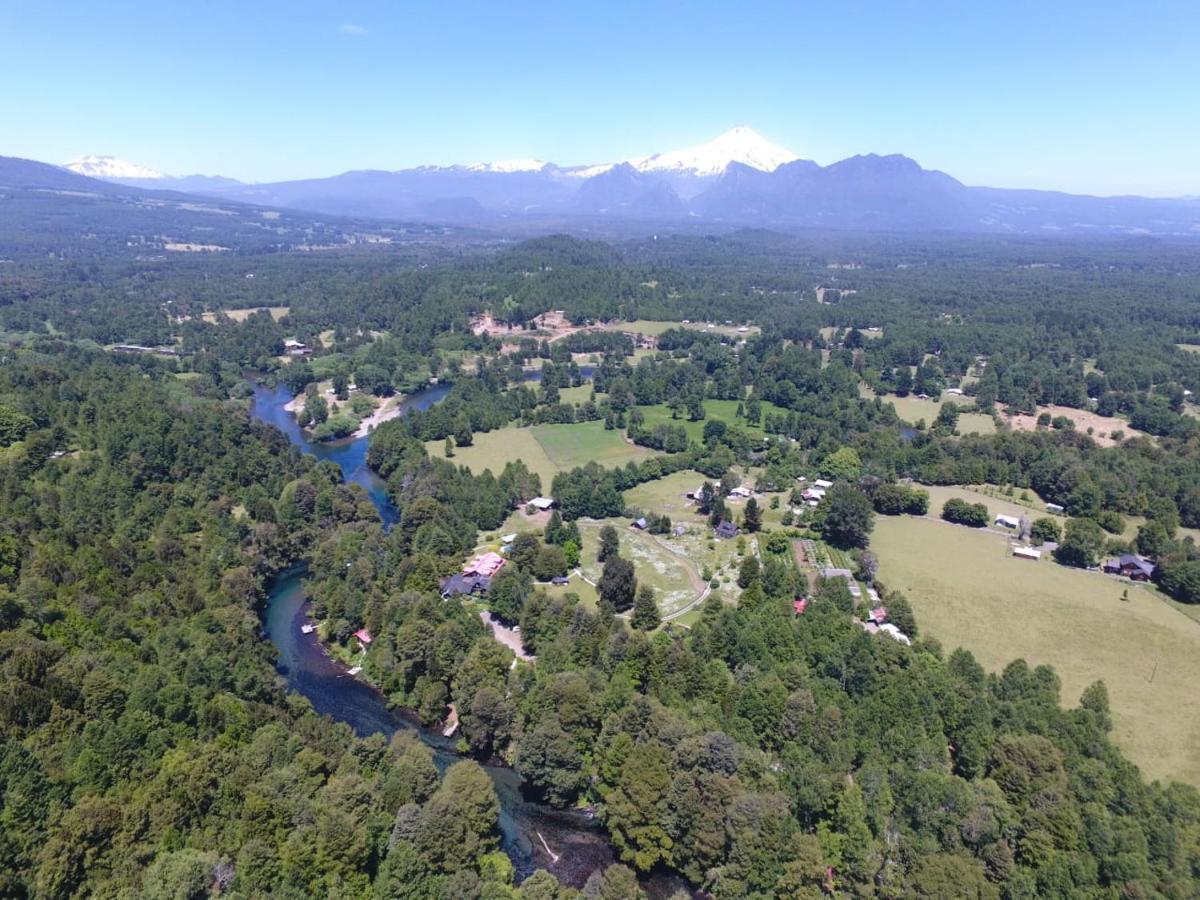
(508, 166)
(741, 145)
(110, 167)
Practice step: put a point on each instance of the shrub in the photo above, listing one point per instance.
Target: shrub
(961, 512)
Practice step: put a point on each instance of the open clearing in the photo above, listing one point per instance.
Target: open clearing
(1102, 426)
(993, 498)
(668, 496)
(967, 591)
(725, 410)
(913, 409)
(241, 315)
(667, 569)
(545, 449)
(652, 327)
(568, 446)
(491, 450)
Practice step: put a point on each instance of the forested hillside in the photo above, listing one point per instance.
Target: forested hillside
(147, 748)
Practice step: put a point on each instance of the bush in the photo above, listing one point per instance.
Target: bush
(1045, 529)
(1182, 581)
(961, 512)
(898, 499)
(1082, 544)
(778, 543)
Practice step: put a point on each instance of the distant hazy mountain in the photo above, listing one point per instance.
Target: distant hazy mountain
(109, 168)
(623, 190)
(739, 178)
(50, 209)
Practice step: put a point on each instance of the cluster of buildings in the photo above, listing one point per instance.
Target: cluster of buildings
(815, 493)
(877, 623)
(476, 576)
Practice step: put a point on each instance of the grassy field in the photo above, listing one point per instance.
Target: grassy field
(992, 497)
(658, 560)
(725, 410)
(655, 328)
(568, 446)
(912, 409)
(967, 591)
(241, 315)
(668, 496)
(545, 449)
(491, 450)
(579, 394)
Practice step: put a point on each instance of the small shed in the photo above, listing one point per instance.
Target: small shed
(799, 605)
(824, 483)
(1008, 521)
(542, 503)
(640, 524)
(364, 637)
(725, 530)
(1054, 508)
(1026, 553)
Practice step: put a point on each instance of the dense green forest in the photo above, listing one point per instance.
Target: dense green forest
(149, 748)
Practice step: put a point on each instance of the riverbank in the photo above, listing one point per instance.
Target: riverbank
(569, 843)
(391, 408)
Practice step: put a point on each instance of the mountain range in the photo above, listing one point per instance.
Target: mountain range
(738, 179)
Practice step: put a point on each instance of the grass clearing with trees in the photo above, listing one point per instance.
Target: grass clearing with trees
(673, 575)
(968, 591)
(545, 449)
(723, 410)
(913, 409)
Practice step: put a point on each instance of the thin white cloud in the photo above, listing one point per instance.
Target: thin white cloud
(352, 30)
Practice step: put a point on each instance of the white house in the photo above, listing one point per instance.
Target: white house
(1008, 521)
(895, 633)
(1027, 553)
(823, 483)
(542, 503)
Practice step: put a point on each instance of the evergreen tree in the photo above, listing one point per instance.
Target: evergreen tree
(645, 610)
(610, 544)
(618, 584)
(752, 516)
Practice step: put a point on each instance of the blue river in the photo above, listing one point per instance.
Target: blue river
(568, 843)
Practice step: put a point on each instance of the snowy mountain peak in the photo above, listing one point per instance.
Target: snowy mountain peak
(110, 167)
(741, 145)
(508, 166)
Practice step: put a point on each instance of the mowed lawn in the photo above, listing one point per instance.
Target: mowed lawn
(545, 449)
(967, 591)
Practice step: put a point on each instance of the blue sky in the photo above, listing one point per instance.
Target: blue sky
(1100, 97)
